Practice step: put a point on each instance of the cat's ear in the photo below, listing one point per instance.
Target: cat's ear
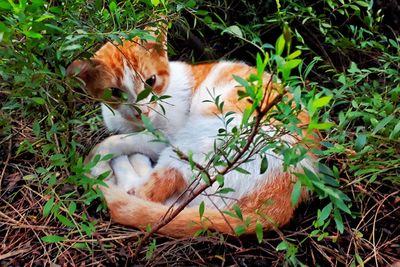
(83, 69)
(90, 73)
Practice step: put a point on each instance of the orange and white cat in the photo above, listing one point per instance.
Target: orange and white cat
(191, 125)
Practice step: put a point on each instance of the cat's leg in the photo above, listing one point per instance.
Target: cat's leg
(168, 178)
(125, 144)
(171, 175)
(130, 172)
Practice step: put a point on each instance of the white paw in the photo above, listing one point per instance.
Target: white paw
(141, 164)
(125, 174)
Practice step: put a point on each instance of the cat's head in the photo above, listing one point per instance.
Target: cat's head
(118, 73)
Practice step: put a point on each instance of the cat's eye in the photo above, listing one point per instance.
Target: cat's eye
(151, 81)
(116, 92)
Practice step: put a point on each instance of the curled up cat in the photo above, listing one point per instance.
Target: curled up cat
(139, 194)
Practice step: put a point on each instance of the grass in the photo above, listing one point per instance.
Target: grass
(49, 211)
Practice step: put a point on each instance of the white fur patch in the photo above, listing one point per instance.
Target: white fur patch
(129, 78)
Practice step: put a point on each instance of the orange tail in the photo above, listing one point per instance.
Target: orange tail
(136, 212)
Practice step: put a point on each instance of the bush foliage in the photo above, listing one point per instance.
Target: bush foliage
(348, 76)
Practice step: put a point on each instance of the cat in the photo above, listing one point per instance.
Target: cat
(139, 194)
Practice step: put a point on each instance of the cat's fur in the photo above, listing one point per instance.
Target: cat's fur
(190, 124)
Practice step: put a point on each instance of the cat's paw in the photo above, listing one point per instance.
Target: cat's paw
(126, 176)
(141, 164)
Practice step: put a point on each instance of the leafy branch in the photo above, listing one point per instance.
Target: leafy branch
(261, 112)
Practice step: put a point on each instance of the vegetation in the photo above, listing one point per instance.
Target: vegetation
(340, 59)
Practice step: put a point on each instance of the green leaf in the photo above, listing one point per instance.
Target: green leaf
(341, 205)
(246, 115)
(241, 81)
(87, 228)
(282, 246)
(64, 220)
(29, 177)
(47, 207)
(220, 179)
(225, 190)
(320, 126)
(71, 47)
(5, 5)
(259, 232)
(382, 124)
(199, 232)
(38, 100)
(54, 27)
(264, 165)
(155, 2)
(296, 193)
(147, 123)
(107, 94)
(201, 12)
(241, 170)
(113, 7)
(115, 38)
(80, 245)
(201, 209)
(105, 158)
(238, 211)
(72, 207)
(338, 220)
(362, 3)
(395, 131)
(291, 64)
(278, 4)
(44, 17)
(326, 211)
(261, 64)
(150, 249)
(294, 54)
(33, 35)
(234, 30)
(143, 94)
(359, 260)
(280, 45)
(230, 214)
(241, 229)
(52, 238)
(321, 102)
(36, 129)
(360, 142)
(205, 178)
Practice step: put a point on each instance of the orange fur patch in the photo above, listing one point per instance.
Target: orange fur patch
(200, 73)
(162, 185)
(231, 100)
(238, 69)
(272, 201)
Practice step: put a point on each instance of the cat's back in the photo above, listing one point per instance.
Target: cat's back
(216, 79)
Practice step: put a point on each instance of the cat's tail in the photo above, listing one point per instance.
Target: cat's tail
(133, 211)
